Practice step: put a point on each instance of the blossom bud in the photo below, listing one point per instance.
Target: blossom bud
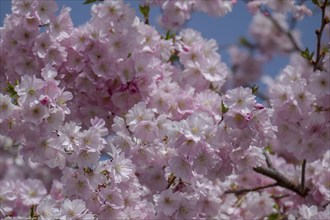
(44, 101)
(259, 106)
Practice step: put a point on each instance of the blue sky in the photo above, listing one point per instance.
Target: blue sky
(226, 30)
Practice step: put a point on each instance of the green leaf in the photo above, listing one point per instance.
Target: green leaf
(224, 109)
(145, 9)
(244, 42)
(88, 170)
(268, 149)
(32, 212)
(255, 89)
(306, 54)
(316, 2)
(325, 50)
(89, 1)
(12, 93)
(173, 58)
(277, 207)
(11, 90)
(104, 172)
(169, 35)
(274, 216)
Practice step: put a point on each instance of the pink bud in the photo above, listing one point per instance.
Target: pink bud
(259, 106)
(44, 101)
(248, 117)
(133, 88)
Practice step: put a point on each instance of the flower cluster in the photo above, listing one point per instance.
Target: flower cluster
(113, 120)
(176, 13)
(300, 100)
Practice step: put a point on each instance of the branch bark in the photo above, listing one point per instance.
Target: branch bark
(319, 54)
(242, 191)
(280, 179)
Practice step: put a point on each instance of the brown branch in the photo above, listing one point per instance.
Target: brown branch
(326, 204)
(268, 161)
(280, 196)
(303, 171)
(280, 179)
(319, 54)
(242, 191)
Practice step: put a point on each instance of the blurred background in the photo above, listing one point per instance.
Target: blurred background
(225, 30)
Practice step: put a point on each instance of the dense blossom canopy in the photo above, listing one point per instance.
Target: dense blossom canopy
(112, 120)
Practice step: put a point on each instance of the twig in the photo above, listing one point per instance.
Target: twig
(302, 183)
(280, 179)
(280, 28)
(280, 197)
(268, 161)
(326, 204)
(319, 55)
(241, 191)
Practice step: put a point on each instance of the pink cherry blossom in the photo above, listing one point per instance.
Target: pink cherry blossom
(240, 100)
(46, 209)
(7, 196)
(121, 167)
(74, 209)
(167, 202)
(32, 191)
(6, 107)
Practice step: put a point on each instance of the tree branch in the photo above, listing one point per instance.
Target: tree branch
(280, 196)
(242, 191)
(280, 179)
(319, 54)
(302, 183)
(268, 161)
